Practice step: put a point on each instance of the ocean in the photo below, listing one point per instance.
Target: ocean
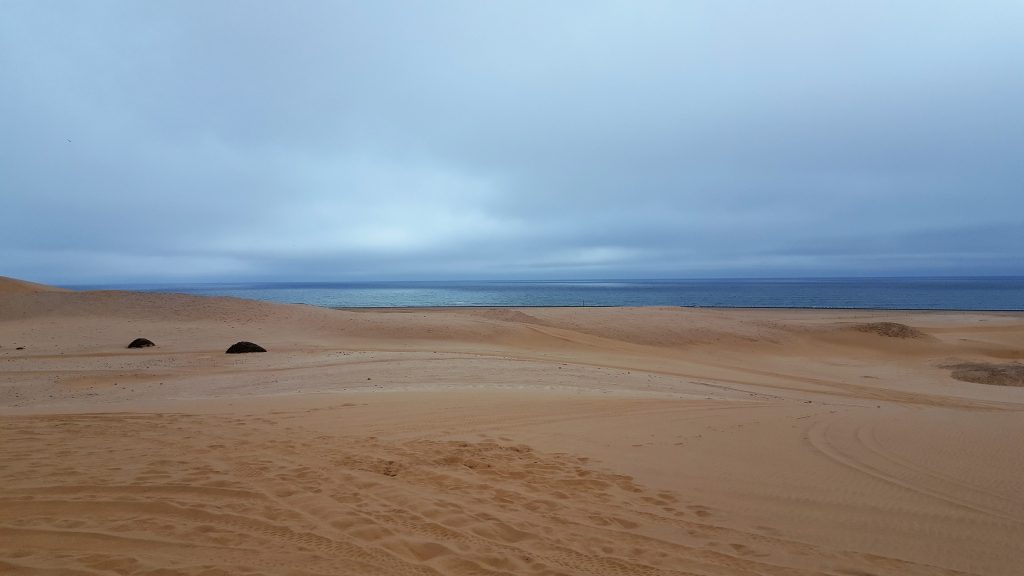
(961, 293)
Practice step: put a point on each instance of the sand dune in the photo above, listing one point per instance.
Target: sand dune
(11, 286)
(507, 441)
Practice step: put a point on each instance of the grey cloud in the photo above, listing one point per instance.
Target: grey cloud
(474, 140)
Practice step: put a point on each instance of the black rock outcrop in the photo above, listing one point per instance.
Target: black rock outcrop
(141, 343)
(244, 348)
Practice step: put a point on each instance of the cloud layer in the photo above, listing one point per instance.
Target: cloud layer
(388, 140)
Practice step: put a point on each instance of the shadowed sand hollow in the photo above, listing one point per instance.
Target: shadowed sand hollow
(515, 441)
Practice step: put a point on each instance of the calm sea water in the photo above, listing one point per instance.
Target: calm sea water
(886, 293)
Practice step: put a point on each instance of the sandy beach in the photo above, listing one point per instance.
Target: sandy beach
(612, 441)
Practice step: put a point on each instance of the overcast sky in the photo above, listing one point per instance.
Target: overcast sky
(221, 141)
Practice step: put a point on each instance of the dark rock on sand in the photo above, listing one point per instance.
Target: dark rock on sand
(244, 348)
(141, 343)
(890, 330)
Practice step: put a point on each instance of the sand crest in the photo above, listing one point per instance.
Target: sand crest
(9, 286)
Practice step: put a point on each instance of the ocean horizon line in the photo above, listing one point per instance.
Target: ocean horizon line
(959, 293)
(94, 285)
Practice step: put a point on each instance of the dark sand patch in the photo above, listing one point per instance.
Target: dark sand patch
(890, 330)
(992, 374)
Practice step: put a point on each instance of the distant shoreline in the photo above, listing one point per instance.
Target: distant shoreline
(626, 306)
(959, 294)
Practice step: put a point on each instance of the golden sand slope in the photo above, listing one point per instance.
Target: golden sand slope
(528, 441)
(9, 286)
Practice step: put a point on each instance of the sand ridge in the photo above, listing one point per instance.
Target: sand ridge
(10, 286)
(502, 441)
